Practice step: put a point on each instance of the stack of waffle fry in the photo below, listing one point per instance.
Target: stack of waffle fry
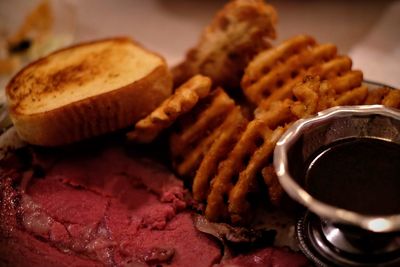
(225, 152)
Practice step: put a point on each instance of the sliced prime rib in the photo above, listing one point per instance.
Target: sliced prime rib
(96, 209)
(103, 206)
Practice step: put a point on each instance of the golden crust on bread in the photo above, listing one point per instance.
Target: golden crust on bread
(86, 90)
(236, 34)
(79, 72)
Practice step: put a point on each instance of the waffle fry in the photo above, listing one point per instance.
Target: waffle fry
(228, 155)
(376, 96)
(238, 197)
(228, 135)
(275, 190)
(347, 81)
(392, 99)
(311, 96)
(237, 33)
(333, 68)
(354, 96)
(273, 74)
(197, 132)
(236, 175)
(337, 71)
(307, 96)
(271, 70)
(326, 95)
(263, 63)
(314, 95)
(228, 171)
(231, 181)
(279, 113)
(182, 101)
(384, 96)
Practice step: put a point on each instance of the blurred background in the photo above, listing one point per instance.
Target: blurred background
(367, 30)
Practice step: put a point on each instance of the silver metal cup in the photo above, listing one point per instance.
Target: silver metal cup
(329, 234)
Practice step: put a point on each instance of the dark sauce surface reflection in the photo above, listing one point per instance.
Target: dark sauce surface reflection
(357, 174)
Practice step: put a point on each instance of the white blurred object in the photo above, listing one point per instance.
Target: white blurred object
(46, 24)
(28, 31)
(378, 54)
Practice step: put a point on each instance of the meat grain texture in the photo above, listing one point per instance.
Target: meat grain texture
(106, 207)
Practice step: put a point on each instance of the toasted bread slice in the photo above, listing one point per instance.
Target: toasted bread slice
(86, 90)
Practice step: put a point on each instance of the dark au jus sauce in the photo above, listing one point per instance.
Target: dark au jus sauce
(357, 174)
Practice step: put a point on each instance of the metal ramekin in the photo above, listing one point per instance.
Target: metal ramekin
(327, 126)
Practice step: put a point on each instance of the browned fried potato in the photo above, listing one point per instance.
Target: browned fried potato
(275, 190)
(278, 114)
(283, 67)
(229, 170)
(197, 131)
(349, 80)
(272, 74)
(318, 60)
(225, 152)
(392, 99)
(228, 135)
(182, 101)
(326, 95)
(237, 176)
(239, 205)
(341, 90)
(333, 68)
(224, 148)
(311, 96)
(354, 96)
(237, 33)
(307, 96)
(265, 61)
(384, 96)
(228, 173)
(237, 173)
(376, 96)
